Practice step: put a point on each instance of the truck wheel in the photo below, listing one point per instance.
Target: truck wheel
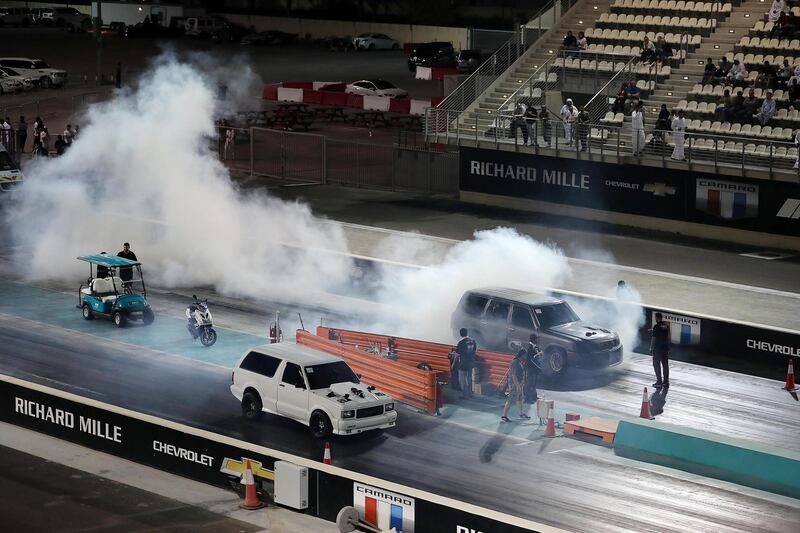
(320, 425)
(86, 311)
(251, 406)
(555, 362)
(119, 319)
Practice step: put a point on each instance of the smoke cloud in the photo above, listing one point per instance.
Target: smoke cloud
(144, 170)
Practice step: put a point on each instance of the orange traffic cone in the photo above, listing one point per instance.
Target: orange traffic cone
(251, 501)
(550, 430)
(326, 458)
(645, 412)
(790, 385)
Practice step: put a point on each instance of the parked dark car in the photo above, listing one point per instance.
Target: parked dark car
(468, 61)
(502, 319)
(432, 55)
(146, 30)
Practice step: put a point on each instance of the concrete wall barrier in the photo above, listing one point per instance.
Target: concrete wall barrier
(730, 459)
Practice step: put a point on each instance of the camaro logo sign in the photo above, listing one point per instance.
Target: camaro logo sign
(682, 329)
(727, 199)
(384, 509)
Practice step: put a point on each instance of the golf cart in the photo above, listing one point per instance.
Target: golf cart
(115, 289)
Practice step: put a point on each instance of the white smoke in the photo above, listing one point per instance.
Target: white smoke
(144, 171)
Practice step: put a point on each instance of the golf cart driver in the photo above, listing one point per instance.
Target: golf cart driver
(109, 296)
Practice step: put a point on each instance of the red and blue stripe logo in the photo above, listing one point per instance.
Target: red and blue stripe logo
(384, 509)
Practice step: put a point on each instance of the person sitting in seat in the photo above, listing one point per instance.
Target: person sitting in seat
(723, 68)
(709, 71)
(570, 42)
(648, 50)
(737, 74)
(768, 109)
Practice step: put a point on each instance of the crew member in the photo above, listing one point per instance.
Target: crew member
(532, 369)
(659, 349)
(126, 273)
(516, 386)
(465, 349)
(102, 270)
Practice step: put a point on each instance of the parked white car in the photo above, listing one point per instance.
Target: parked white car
(28, 82)
(375, 88)
(9, 84)
(311, 387)
(36, 68)
(375, 41)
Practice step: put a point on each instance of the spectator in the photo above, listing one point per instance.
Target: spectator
(44, 140)
(60, 145)
(664, 119)
(531, 118)
(583, 120)
(76, 132)
(765, 77)
(22, 134)
(547, 129)
(516, 386)
(737, 73)
(723, 68)
(709, 71)
(725, 103)
(797, 144)
(749, 107)
(637, 129)
(624, 293)
(126, 273)
(465, 349)
(779, 25)
(648, 49)
(622, 95)
(778, 7)
(569, 114)
(5, 133)
(678, 135)
(768, 109)
(518, 121)
(794, 91)
(37, 131)
(230, 143)
(102, 270)
(583, 44)
(69, 135)
(663, 49)
(570, 42)
(784, 75)
(533, 368)
(734, 113)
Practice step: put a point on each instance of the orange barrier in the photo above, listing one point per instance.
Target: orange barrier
(492, 366)
(406, 384)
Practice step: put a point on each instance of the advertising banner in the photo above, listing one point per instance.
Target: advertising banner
(758, 205)
(217, 463)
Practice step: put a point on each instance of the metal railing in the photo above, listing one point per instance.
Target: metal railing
(597, 106)
(484, 76)
(546, 18)
(598, 141)
(534, 89)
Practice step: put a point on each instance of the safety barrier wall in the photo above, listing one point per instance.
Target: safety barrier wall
(492, 366)
(412, 386)
(218, 460)
(768, 206)
(735, 460)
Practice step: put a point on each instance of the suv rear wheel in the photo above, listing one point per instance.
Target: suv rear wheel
(320, 425)
(251, 405)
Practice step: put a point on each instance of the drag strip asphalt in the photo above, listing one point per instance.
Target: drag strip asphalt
(554, 481)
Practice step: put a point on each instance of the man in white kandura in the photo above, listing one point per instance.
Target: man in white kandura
(569, 114)
(637, 129)
(678, 129)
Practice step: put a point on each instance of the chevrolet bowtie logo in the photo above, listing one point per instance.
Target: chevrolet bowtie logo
(660, 189)
(236, 468)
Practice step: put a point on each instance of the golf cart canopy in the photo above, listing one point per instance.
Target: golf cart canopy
(109, 261)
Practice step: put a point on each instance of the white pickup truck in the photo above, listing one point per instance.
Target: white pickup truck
(311, 387)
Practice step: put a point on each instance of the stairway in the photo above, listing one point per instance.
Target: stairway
(581, 16)
(722, 41)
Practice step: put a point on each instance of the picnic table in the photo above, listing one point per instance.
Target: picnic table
(369, 118)
(332, 113)
(293, 106)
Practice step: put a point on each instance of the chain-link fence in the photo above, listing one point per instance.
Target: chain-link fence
(308, 158)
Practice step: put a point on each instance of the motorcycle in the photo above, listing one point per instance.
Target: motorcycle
(200, 322)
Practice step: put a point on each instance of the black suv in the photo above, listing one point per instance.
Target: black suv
(432, 55)
(502, 319)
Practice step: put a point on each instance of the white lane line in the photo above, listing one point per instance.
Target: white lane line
(639, 270)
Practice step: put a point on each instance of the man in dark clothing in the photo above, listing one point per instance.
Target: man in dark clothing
(532, 369)
(547, 129)
(659, 349)
(570, 42)
(102, 270)
(709, 71)
(60, 145)
(126, 273)
(465, 349)
(583, 129)
(22, 134)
